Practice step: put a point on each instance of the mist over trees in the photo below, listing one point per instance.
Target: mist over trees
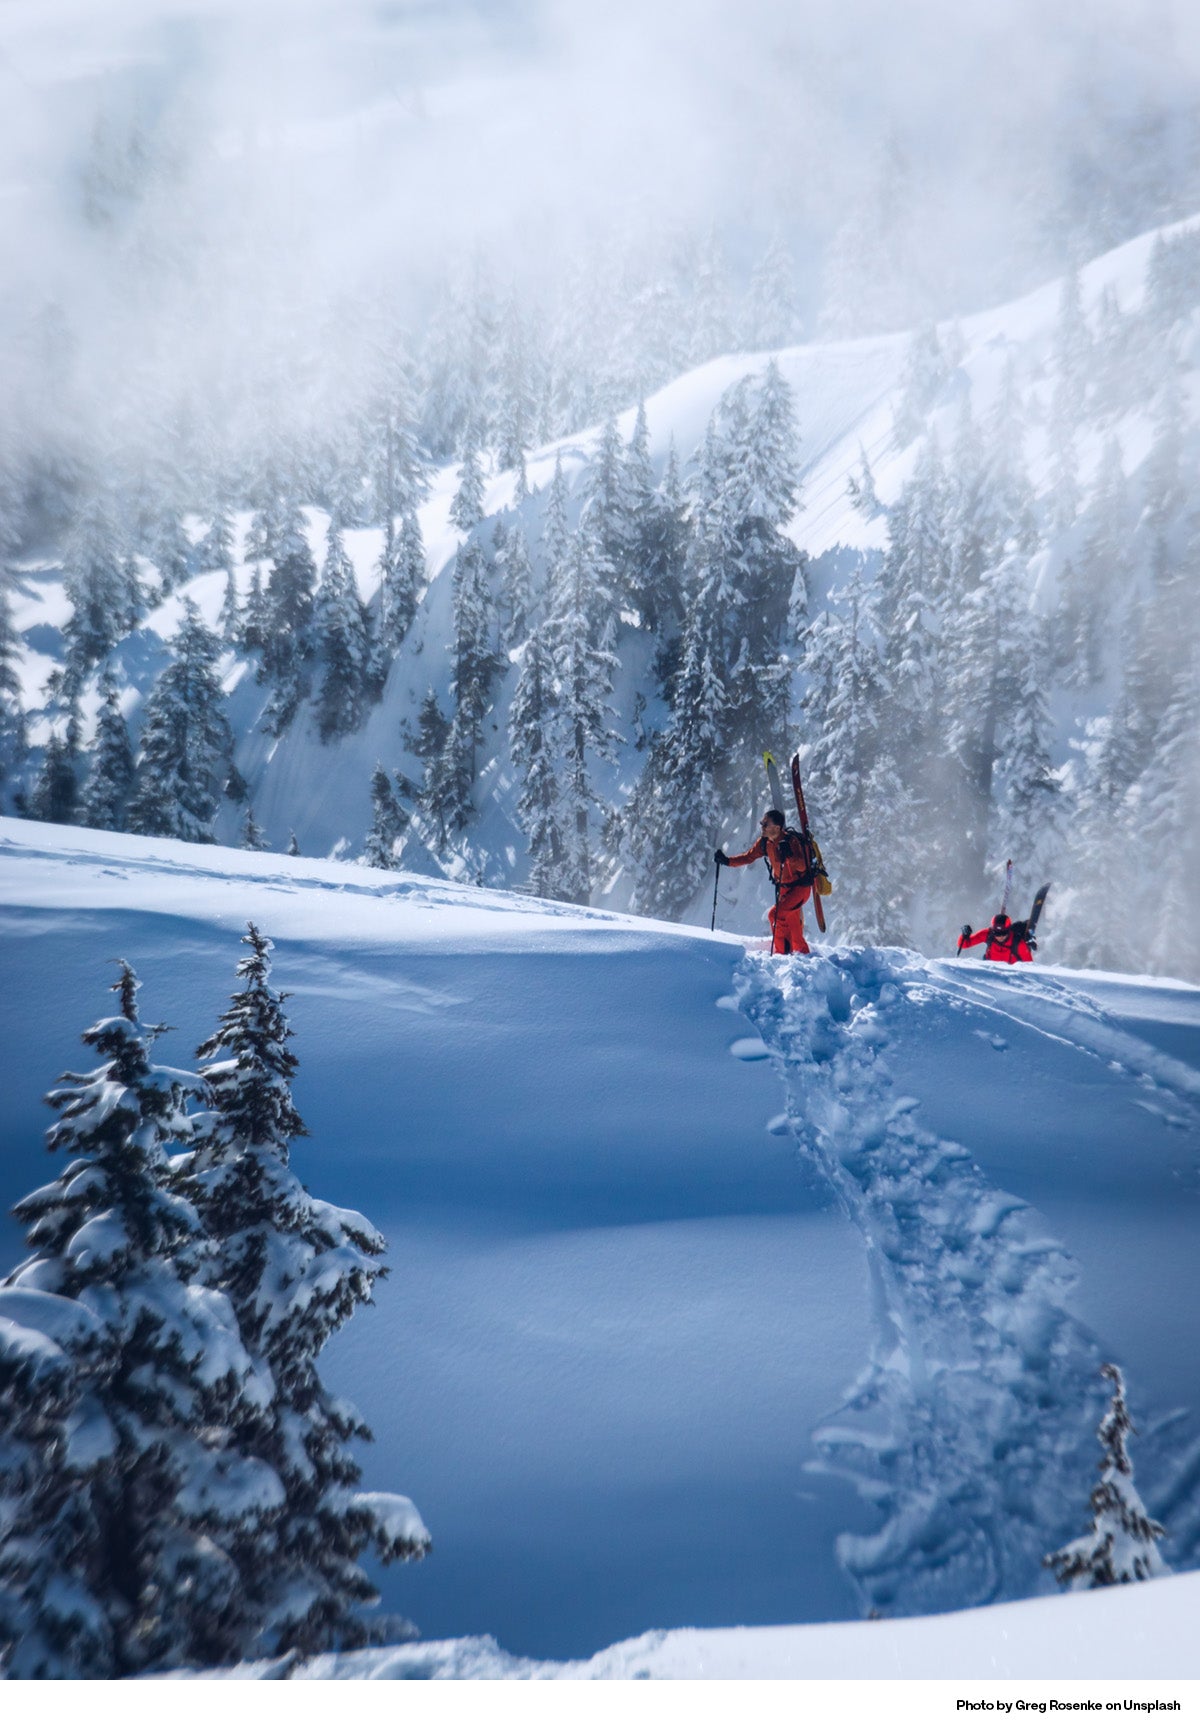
(1013, 673)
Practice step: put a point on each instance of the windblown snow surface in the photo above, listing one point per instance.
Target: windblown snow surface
(726, 1289)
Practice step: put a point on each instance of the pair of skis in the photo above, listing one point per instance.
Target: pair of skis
(1035, 912)
(814, 856)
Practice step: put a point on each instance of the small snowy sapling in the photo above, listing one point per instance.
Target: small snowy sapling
(1122, 1545)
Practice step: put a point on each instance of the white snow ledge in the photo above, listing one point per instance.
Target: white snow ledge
(1117, 1633)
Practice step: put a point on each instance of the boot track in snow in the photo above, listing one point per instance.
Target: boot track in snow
(972, 1427)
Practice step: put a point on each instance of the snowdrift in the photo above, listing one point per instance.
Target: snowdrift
(727, 1290)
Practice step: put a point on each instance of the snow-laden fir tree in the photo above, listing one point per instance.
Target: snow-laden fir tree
(96, 588)
(606, 501)
(922, 382)
(1164, 819)
(478, 661)
(401, 570)
(388, 821)
(430, 745)
(186, 740)
(397, 463)
(230, 617)
(287, 648)
(254, 838)
(1163, 491)
(1031, 809)
(341, 642)
(466, 507)
(111, 772)
(296, 1269)
(1122, 1545)
(1071, 362)
(859, 798)
(1090, 588)
(580, 637)
(770, 319)
(660, 523)
(556, 530)
(214, 552)
(532, 726)
(255, 624)
(55, 797)
(116, 1551)
(13, 740)
(55, 1447)
(516, 586)
(170, 551)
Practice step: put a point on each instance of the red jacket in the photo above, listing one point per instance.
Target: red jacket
(1006, 945)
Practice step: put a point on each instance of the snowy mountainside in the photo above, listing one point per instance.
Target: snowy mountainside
(726, 1289)
(868, 411)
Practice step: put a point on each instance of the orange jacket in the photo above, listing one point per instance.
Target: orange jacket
(789, 863)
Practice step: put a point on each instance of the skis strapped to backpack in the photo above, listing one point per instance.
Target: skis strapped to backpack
(1007, 887)
(815, 863)
(814, 852)
(776, 784)
(1035, 912)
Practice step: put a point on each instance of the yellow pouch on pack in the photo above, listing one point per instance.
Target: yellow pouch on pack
(824, 886)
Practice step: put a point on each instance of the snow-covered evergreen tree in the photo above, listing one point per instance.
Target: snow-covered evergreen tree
(230, 618)
(55, 797)
(1164, 818)
(389, 819)
(921, 383)
(287, 648)
(1088, 591)
(581, 634)
(96, 587)
(864, 810)
(186, 740)
(477, 659)
(111, 775)
(1122, 1545)
(13, 738)
(215, 551)
(532, 728)
(116, 1555)
(255, 620)
(341, 642)
(466, 507)
(296, 1269)
(431, 745)
(254, 838)
(769, 315)
(1162, 473)
(401, 580)
(516, 587)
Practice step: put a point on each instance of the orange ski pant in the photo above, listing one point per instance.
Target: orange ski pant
(787, 923)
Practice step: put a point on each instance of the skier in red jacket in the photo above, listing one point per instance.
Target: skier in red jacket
(791, 868)
(1006, 940)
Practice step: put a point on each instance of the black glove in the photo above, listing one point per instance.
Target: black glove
(966, 930)
(1032, 942)
(720, 858)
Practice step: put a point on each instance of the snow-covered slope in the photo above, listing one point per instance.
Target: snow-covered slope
(1141, 1633)
(845, 397)
(726, 1290)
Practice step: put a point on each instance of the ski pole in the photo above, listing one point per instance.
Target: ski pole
(716, 881)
